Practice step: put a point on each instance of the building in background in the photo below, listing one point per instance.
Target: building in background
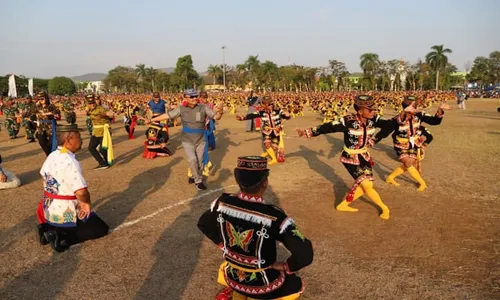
(95, 87)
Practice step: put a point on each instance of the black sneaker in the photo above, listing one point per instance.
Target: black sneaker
(55, 242)
(41, 236)
(101, 167)
(200, 186)
(190, 180)
(63, 246)
(31, 140)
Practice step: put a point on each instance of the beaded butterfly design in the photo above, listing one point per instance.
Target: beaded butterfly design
(240, 239)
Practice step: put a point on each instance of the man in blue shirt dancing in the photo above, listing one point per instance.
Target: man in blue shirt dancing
(157, 105)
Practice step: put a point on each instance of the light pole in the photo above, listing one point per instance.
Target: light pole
(224, 66)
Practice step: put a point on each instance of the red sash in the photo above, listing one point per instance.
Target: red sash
(257, 120)
(257, 123)
(39, 211)
(131, 128)
(148, 154)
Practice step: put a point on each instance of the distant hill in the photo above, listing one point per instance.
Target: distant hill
(356, 74)
(90, 77)
(101, 76)
(167, 70)
(171, 70)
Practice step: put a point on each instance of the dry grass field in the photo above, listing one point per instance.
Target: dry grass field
(443, 243)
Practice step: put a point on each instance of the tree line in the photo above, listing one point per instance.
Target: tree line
(56, 86)
(143, 79)
(435, 72)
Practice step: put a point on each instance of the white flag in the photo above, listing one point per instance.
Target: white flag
(12, 87)
(30, 86)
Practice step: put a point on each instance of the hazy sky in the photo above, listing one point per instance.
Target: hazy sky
(45, 38)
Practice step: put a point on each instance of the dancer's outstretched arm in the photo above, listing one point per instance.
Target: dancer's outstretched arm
(330, 127)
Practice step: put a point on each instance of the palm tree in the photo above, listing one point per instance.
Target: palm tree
(369, 63)
(140, 74)
(151, 74)
(269, 73)
(140, 71)
(241, 75)
(252, 65)
(437, 59)
(214, 71)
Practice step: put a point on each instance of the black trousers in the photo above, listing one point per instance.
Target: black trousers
(160, 150)
(127, 126)
(45, 142)
(364, 168)
(92, 229)
(102, 156)
(292, 285)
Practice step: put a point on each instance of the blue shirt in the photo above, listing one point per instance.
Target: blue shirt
(157, 108)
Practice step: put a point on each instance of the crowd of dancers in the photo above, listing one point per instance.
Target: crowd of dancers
(243, 226)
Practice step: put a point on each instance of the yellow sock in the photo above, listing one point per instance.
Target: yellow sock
(344, 205)
(238, 296)
(398, 171)
(367, 186)
(416, 175)
(289, 297)
(271, 153)
(206, 170)
(190, 174)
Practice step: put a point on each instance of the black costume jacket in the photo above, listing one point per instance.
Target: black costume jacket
(357, 135)
(247, 229)
(271, 121)
(407, 133)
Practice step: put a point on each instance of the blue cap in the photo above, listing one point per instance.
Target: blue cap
(192, 93)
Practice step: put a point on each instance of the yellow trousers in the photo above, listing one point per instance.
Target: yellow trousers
(238, 296)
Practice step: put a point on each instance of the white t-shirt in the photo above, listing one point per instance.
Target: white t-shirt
(62, 175)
